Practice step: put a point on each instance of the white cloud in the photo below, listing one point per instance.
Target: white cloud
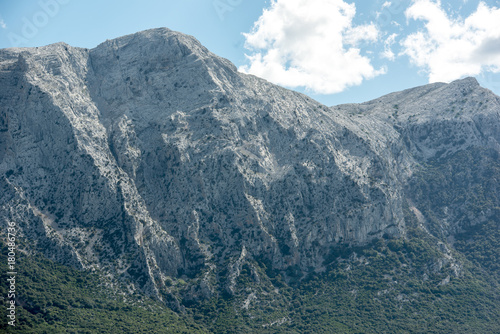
(388, 53)
(3, 24)
(450, 48)
(385, 5)
(311, 44)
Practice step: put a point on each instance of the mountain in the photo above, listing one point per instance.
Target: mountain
(440, 125)
(156, 165)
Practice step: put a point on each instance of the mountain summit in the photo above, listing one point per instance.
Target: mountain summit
(150, 159)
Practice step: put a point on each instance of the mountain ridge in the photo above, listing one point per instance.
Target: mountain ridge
(151, 160)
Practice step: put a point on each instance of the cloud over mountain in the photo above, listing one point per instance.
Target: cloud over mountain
(312, 44)
(449, 48)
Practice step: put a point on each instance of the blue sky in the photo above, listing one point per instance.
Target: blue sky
(336, 51)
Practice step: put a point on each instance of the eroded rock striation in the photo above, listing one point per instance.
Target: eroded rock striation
(150, 158)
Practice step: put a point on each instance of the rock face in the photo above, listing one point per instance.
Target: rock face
(452, 133)
(150, 158)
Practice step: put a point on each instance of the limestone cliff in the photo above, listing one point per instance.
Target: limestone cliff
(150, 158)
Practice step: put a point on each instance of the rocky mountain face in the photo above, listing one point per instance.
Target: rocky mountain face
(448, 129)
(150, 159)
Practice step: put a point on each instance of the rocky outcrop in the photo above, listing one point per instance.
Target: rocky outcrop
(151, 159)
(452, 133)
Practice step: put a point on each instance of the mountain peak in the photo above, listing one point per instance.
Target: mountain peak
(466, 81)
(156, 51)
(160, 40)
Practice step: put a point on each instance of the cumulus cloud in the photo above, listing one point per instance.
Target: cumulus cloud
(312, 44)
(450, 48)
(3, 24)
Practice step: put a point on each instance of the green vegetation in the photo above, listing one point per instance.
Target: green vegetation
(389, 286)
(481, 245)
(461, 189)
(57, 299)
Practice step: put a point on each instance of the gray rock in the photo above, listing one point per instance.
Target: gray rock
(151, 158)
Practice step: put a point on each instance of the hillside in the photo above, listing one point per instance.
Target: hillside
(241, 205)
